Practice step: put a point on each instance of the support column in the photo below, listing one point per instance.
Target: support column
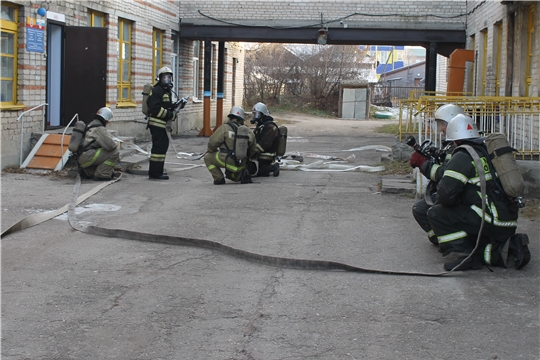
(220, 79)
(207, 130)
(431, 68)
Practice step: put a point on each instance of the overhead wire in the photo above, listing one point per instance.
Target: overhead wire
(326, 23)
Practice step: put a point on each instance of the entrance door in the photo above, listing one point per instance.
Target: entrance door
(54, 75)
(85, 72)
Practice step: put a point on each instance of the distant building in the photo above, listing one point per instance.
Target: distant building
(390, 58)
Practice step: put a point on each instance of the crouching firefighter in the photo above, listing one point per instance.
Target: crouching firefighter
(229, 147)
(268, 137)
(458, 216)
(98, 152)
(433, 168)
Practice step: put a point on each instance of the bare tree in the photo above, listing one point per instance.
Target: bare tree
(267, 68)
(324, 68)
(309, 74)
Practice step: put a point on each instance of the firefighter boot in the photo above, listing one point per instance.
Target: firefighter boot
(245, 178)
(472, 263)
(229, 175)
(519, 250)
(219, 182)
(275, 169)
(84, 175)
(160, 177)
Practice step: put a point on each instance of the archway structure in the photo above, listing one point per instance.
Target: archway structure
(438, 26)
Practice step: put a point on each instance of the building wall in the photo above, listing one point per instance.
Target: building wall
(442, 74)
(128, 119)
(354, 13)
(514, 18)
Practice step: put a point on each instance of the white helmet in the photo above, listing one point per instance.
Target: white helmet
(461, 127)
(163, 70)
(260, 107)
(105, 113)
(237, 112)
(447, 112)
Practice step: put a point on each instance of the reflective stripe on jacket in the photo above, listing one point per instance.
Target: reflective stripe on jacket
(160, 106)
(461, 184)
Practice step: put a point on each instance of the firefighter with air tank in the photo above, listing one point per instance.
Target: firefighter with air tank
(474, 219)
(229, 147)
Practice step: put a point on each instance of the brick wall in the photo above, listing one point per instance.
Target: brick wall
(483, 19)
(128, 119)
(358, 13)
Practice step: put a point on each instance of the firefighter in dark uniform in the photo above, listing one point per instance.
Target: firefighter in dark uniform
(99, 150)
(432, 170)
(456, 218)
(220, 145)
(162, 115)
(267, 135)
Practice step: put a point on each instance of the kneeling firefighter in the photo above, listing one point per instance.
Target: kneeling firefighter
(229, 147)
(268, 137)
(458, 217)
(433, 169)
(99, 152)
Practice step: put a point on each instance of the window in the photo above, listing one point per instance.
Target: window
(530, 49)
(174, 65)
(225, 57)
(484, 62)
(8, 75)
(213, 72)
(471, 87)
(96, 19)
(196, 50)
(497, 56)
(157, 51)
(124, 61)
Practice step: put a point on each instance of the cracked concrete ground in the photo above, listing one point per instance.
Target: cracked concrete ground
(70, 295)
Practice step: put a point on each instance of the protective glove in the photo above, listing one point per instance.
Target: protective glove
(168, 127)
(417, 160)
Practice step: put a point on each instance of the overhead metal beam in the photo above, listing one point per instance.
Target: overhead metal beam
(336, 36)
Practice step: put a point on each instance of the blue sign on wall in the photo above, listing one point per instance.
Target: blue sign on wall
(35, 35)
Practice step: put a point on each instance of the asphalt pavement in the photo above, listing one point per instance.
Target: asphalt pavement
(70, 295)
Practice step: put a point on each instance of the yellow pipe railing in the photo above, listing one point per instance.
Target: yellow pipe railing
(516, 117)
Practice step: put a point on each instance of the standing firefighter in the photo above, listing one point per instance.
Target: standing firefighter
(162, 114)
(267, 135)
(99, 152)
(434, 170)
(229, 147)
(457, 217)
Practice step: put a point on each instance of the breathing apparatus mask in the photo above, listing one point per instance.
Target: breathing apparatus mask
(166, 80)
(257, 117)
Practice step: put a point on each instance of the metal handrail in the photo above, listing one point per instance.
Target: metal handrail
(63, 134)
(22, 128)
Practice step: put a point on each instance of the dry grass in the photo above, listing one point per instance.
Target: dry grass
(14, 169)
(395, 167)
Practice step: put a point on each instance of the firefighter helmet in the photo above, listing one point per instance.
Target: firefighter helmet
(260, 107)
(259, 111)
(447, 112)
(163, 70)
(237, 112)
(461, 127)
(105, 113)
